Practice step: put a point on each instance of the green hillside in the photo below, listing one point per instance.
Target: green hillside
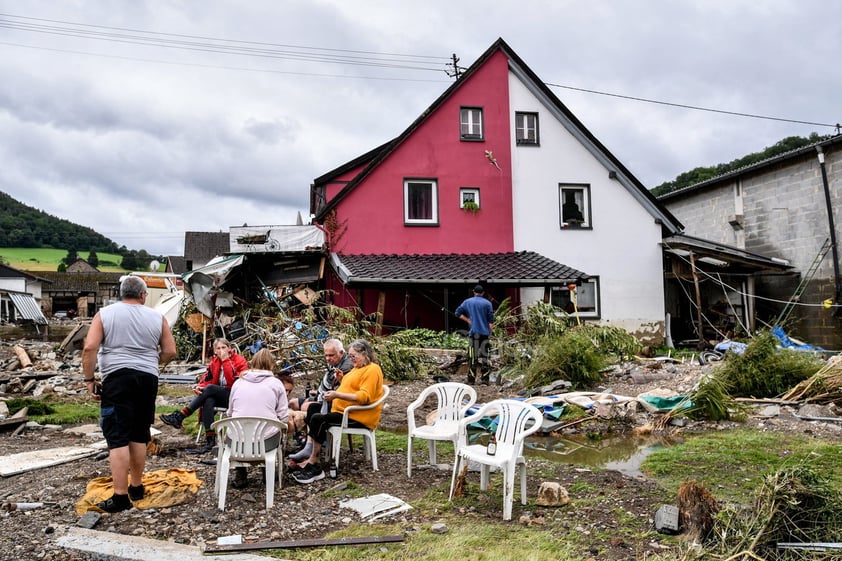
(31, 259)
(25, 228)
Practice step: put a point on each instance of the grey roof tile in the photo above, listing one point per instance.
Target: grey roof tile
(522, 268)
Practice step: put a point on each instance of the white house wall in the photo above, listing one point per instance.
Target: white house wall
(623, 246)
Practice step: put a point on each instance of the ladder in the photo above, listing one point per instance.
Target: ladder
(802, 286)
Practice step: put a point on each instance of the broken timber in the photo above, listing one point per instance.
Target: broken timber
(292, 544)
(17, 420)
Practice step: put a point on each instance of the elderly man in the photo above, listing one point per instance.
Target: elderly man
(338, 364)
(129, 341)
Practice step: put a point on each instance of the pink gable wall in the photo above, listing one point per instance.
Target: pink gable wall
(371, 216)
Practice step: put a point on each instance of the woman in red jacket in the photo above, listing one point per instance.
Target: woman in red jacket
(213, 390)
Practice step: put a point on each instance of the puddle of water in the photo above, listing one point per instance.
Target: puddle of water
(623, 453)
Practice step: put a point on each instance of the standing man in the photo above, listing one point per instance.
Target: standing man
(479, 315)
(129, 341)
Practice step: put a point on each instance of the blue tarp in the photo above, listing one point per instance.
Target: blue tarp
(788, 343)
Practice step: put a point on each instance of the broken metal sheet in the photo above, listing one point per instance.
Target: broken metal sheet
(27, 307)
(22, 462)
(376, 506)
(203, 283)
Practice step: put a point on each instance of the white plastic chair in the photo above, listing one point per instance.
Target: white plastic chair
(241, 443)
(454, 399)
(515, 421)
(335, 433)
(218, 413)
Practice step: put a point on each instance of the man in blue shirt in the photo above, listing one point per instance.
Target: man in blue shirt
(479, 315)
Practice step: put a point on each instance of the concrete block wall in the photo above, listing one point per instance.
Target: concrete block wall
(785, 216)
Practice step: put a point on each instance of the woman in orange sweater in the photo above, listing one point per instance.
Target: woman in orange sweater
(361, 386)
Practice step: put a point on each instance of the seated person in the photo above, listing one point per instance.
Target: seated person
(338, 363)
(361, 386)
(259, 393)
(212, 390)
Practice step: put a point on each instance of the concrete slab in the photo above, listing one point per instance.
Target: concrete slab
(37, 459)
(119, 547)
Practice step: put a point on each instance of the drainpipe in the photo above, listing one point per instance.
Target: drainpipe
(838, 282)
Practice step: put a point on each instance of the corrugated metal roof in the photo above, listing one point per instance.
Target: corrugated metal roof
(27, 307)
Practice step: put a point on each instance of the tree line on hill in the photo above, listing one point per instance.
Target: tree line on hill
(28, 227)
(699, 174)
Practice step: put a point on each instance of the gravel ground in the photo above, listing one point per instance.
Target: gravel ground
(313, 511)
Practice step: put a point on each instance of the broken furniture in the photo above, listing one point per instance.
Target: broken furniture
(242, 443)
(334, 433)
(515, 421)
(454, 400)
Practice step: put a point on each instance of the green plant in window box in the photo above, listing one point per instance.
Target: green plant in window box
(471, 206)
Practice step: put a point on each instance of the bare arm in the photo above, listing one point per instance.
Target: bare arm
(92, 342)
(168, 350)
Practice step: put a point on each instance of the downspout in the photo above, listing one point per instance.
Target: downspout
(838, 282)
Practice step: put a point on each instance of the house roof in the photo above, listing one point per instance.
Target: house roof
(619, 171)
(727, 258)
(201, 247)
(799, 153)
(523, 268)
(7, 272)
(176, 264)
(80, 282)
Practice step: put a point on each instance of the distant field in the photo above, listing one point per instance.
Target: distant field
(29, 259)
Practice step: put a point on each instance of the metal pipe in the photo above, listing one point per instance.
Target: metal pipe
(838, 281)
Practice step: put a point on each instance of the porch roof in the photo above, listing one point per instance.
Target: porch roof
(523, 268)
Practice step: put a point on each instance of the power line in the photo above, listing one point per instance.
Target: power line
(299, 53)
(695, 107)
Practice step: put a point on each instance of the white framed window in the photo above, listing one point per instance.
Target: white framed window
(574, 206)
(468, 195)
(526, 128)
(420, 201)
(584, 300)
(470, 123)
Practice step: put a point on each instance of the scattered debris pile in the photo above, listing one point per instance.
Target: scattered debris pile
(825, 386)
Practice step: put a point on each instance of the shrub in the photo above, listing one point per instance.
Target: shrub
(573, 357)
(764, 370)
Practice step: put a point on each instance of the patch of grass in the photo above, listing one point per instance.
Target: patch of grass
(733, 463)
(57, 413)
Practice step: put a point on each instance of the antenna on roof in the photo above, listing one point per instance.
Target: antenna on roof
(456, 68)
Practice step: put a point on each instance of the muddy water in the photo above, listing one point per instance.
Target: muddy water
(623, 453)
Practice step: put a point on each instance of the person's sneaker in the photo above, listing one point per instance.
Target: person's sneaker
(173, 419)
(309, 474)
(485, 381)
(136, 493)
(117, 503)
(472, 380)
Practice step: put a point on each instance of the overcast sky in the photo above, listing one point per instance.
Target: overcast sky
(143, 120)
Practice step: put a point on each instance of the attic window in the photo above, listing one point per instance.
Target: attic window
(526, 129)
(470, 123)
(420, 202)
(575, 206)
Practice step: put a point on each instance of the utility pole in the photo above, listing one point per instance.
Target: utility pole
(457, 70)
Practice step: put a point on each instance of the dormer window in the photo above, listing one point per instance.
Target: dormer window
(470, 123)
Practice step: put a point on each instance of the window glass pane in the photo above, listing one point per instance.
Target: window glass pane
(419, 201)
(575, 207)
(470, 122)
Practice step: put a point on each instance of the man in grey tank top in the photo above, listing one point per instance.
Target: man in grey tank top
(129, 341)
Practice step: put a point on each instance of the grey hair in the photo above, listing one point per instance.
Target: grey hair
(336, 344)
(132, 288)
(364, 347)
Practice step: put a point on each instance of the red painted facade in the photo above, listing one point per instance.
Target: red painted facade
(371, 216)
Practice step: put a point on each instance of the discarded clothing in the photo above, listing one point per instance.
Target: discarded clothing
(166, 487)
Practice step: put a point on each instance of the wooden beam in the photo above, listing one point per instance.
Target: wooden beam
(292, 544)
(381, 310)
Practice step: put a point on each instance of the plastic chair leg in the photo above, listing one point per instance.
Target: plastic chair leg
(409, 456)
(269, 467)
